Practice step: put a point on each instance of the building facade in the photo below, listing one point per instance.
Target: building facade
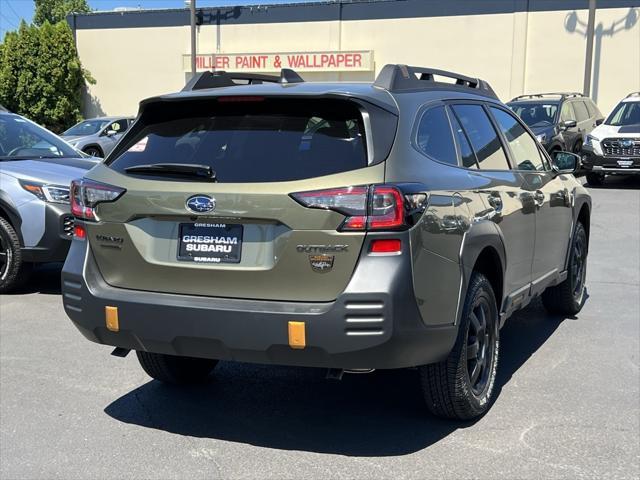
(518, 46)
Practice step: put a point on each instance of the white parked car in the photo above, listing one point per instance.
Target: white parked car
(613, 148)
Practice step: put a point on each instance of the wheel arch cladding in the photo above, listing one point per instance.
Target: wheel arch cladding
(483, 251)
(584, 217)
(11, 215)
(489, 264)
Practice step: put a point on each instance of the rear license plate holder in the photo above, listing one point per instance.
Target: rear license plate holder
(203, 242)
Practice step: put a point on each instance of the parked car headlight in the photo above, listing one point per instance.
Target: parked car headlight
(589, 141)
(542, 138)
(47, 193)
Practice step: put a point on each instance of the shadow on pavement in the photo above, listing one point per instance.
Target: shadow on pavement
(379, 414)
(619, 182)
(44, 278)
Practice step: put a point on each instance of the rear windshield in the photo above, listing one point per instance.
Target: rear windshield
(248, 139)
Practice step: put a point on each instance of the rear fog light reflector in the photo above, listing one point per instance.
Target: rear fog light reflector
(391, 245)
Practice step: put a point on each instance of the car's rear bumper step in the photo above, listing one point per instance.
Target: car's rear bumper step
(256, 330)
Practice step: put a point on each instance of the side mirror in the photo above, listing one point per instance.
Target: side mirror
(565, 162)
(568, 124)
(599, 121)
(111, 133)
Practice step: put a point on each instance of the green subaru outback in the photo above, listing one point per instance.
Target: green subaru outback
(349, 226)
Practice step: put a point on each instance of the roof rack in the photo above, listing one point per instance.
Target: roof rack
(633, 94)
(221, 78)
(397, 78)
(562, 95)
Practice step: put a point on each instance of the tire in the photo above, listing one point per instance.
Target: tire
(568, 297)
(577, 148)
(13, 272)
(447, 387)
(176, 370)
(595, 179)
(93, 151)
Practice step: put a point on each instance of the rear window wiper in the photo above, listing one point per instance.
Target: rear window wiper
(182, 169)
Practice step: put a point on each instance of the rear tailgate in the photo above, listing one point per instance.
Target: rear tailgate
(257, 242)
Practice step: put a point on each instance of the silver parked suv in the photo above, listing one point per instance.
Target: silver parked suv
(36, 168)
(98, 136)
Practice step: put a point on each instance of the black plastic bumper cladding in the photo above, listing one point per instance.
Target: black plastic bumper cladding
(54, 244)
(609, 164)
(375, 323)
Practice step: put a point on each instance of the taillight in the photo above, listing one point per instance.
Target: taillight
(379, 207)
(387, 208)
(87, 194)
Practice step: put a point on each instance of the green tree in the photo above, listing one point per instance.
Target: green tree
(41, 76)
(54, 11)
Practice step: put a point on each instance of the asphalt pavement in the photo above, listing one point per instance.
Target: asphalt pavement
(568, 402)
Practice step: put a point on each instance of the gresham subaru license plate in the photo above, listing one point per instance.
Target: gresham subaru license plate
(210, 242)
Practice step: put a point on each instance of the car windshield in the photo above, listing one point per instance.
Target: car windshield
(88, 127)
(22, 139)
(536, 114)
(626, 113)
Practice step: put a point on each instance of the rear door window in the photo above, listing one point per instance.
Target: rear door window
(466, 152)
(256, 140)
(582, 113)
(483, 137)
(434, 137)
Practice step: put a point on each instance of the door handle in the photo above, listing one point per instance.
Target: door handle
(538, 197)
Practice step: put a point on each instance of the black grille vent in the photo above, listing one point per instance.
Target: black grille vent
(621, 147)
(67, 226)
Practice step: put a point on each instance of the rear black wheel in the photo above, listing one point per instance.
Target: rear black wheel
(13, 273)
(595, 179)
(461, 387)
(174, 369)
(93, 152)
(567, 298)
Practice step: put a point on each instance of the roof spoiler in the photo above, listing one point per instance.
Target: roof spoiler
(397, 78)
(562, 95)
(221, 78)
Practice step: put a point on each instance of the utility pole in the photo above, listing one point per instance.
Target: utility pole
(192, 11)
(588, 63)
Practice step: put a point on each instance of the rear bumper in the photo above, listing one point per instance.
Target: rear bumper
(375, 323)
(58, 231)
(609, 165)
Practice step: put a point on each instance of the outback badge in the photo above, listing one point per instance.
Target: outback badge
(321, 263)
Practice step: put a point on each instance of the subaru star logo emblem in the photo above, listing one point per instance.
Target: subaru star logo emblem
(626, 143)
(201, 204)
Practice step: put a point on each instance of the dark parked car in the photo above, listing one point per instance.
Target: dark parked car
(349, 226)
(560, 121)
(614, 147)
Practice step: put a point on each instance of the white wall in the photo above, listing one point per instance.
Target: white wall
(517, 53)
